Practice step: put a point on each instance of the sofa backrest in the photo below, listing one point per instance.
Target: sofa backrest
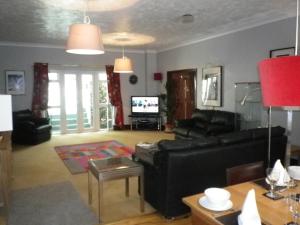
(202, 115)
(215, 117)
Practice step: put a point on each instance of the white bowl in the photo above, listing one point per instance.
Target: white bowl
(294, 172)
(217, 196)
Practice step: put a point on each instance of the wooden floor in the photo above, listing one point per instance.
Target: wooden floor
(152, 219)
(40, 165)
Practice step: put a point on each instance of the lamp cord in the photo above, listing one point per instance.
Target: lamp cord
(86, 18)
(297, 28)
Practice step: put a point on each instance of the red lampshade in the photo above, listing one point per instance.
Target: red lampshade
(280, 81)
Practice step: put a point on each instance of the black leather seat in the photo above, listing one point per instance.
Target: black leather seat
(205, 123)
(179, 168)
(30, 130)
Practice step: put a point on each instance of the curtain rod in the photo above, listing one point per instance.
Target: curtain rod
(76, 65)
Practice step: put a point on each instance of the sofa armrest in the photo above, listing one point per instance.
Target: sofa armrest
(41, 121)
(184, 123)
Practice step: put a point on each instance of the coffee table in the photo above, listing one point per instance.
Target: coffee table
(111, 169)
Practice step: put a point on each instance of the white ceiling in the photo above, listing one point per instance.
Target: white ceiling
(46, 22)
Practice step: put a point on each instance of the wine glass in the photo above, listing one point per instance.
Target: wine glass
(294, 208)
(272, 178)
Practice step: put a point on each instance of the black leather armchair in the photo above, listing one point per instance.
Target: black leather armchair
(30, 130)
(206, 123)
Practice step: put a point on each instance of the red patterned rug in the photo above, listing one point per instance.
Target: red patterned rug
(76, 157)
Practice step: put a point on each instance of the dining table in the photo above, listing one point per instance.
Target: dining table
(272, 212)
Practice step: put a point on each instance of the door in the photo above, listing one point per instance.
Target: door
(78, 101)
(182, 91)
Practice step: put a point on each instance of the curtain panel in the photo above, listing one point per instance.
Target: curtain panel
(40, 89)
(114, 93)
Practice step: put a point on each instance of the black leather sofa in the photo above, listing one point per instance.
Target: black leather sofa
(30, 130)
(205, 123)
(179, 168)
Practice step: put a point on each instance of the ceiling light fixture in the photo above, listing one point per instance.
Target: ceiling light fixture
(123, 65)
(85, 39)
(187, 18)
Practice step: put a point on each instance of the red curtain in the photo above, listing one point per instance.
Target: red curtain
(114, 92)
(40, 89)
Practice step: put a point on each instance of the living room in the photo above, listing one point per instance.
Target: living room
(237, 47)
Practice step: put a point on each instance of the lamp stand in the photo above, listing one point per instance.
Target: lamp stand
(288, 134)
(269, 135)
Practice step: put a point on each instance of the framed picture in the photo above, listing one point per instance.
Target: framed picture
(212, 86)
(282, 52)
(15, 82)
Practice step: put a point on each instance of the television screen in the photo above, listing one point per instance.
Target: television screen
(144, 104)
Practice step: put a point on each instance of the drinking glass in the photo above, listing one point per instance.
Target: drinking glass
(294, 208)
(272, 178)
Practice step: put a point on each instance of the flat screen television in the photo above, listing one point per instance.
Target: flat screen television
(144, 105)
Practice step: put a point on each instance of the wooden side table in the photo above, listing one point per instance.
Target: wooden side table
(5, 172)
(111, 169)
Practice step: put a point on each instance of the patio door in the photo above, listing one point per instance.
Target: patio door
(75, 102)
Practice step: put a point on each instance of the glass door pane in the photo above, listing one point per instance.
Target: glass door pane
(87, 100)
(71, 101)
(54, 102)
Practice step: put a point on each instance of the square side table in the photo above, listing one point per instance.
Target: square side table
(112, 169)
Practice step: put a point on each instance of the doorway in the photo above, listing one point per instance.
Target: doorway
(182, 88)
(78, 101)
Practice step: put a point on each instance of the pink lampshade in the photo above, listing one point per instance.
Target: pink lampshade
(123, 65)
(280, 81)
(85, 39)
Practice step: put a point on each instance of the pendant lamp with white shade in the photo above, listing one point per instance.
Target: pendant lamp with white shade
(85, 38)
(123, 65)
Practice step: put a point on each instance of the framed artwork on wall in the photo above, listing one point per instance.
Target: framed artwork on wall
(212, 86)
(15, 82)
(290, 51)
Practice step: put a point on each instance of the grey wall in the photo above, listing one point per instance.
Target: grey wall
(239, 54)
(23, 58)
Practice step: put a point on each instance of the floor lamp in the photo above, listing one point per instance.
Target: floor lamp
(280, 83)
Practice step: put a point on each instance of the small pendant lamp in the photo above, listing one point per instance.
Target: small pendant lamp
(123, 65)
(85, 38)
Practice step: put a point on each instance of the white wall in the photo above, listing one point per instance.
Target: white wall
(239, 54)
(23, 58)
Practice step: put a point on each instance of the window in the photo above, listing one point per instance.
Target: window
(77, 99)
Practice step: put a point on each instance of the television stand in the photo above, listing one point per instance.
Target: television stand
(140, 120)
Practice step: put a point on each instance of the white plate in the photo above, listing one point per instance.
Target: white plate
(203, 202)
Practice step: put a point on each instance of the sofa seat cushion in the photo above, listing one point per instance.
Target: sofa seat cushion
(235, 137)
(197, 133)
(181, 131)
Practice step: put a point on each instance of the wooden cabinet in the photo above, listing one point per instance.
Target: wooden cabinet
(5, 172)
